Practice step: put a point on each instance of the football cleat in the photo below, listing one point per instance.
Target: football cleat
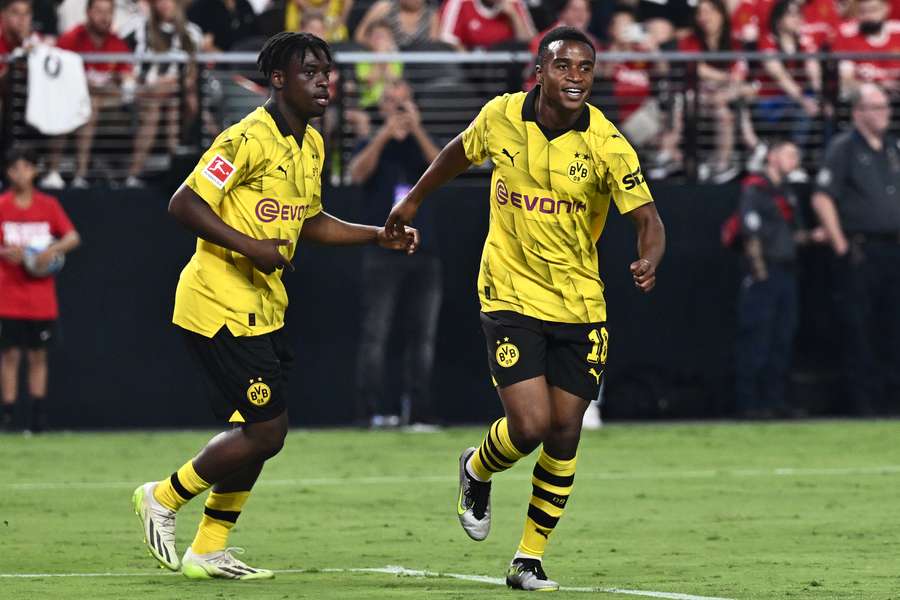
(528, 574)
(220, 565)
(158, 524)
(473, 506)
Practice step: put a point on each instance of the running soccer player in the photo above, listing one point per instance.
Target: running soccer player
(557, 162)
(254, 194)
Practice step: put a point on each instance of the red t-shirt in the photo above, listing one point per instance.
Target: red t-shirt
(797, 68)
(737, 67)
(23, 296)
(79, 40)
(473, 25)
(888, 41)
(750, 20)
(821, 21)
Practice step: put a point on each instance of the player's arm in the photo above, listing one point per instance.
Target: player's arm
(651, 236)
(327, 229)
(193, 212)
(450, 162)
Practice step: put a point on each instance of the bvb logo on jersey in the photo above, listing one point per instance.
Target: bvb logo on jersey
(259, 393)
(577, 171)
(507, 353)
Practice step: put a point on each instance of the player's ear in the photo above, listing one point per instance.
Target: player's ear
(539, 74)
(277, 79)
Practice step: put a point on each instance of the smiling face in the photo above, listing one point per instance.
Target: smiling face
(566, 74)
(304, 84)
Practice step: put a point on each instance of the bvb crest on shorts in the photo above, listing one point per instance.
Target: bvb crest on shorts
(507, 353)
(259, 393)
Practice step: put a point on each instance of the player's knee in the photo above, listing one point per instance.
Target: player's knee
(268, 437)
(528, 434)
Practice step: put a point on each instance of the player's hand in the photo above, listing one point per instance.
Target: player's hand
(409, 241)
(644, 274)
(401, 216)
(266, 255)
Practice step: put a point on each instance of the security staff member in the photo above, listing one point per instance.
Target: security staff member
(771, 227)
(858, 203)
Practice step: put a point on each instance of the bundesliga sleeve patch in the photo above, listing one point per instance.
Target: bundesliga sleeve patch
(219, 171)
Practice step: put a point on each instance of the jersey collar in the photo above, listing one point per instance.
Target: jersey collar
(529, 113)
(280, 122)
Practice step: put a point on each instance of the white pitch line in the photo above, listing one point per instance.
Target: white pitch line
(401, 479)
(391, 570)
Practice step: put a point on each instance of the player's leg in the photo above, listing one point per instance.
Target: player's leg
(245, 377)
(576, 359)
(516, 353)
(10, 359)
(37, 388)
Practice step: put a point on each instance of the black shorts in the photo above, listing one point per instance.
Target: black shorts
(245, 377)
(572, 356)
(27, 333)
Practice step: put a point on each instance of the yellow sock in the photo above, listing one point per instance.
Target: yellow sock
(219, 516)
(551, 485)
(177, 490)
(497, 452)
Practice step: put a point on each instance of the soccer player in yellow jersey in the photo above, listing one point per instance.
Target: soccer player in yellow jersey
(557, 164)
(255, 193)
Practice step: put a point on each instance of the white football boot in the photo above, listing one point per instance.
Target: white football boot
(158, 524)
(473, 507)
(220, 565)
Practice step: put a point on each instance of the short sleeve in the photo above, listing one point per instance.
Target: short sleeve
(475, 135)
(60, 224)
(623, 174)
(229, 162)
(749, 210)
(315, 205)
(833, 172)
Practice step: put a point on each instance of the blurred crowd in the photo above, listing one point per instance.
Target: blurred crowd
(732, 100)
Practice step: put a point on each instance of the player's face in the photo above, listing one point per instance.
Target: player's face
(305, 84)
(16, 20)
(567, 74)
(21, 174)
(100, 16)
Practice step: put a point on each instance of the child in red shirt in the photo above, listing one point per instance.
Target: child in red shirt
(30, 222)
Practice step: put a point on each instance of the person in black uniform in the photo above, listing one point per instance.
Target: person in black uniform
(771, 226)
(386, 166)
(857, 200)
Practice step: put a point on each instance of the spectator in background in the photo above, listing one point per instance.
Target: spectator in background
(666, 21)
(387, 166)
(224, 22)
(720, 83)
(871, 31)
(34, 233)
(788, 88)
(770, 229)
(821, 21)
(15, 27)
(107, 83)
(857, 200)
(334, 11)
(470, 24)
(166, 29)
(574, 13)
(372, 78)
(630, 79)
(412, 22)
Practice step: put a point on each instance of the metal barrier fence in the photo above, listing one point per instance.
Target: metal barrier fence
(685, 122)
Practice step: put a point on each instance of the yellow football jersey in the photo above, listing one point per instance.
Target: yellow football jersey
(263, 181)
(549, 201)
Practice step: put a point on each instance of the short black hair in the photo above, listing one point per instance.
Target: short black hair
(4, 4)
(21, 152)
(279, 49)
(562, 34)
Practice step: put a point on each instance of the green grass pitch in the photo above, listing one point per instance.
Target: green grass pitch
(742, 511)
